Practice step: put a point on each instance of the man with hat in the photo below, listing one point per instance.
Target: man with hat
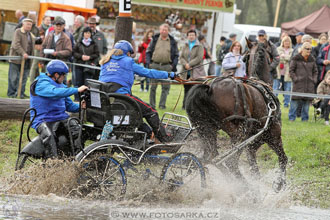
(272, 51)
(22, 45)
(97, 36)
(57, 44)
(299, 43)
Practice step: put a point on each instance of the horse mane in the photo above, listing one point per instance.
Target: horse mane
(259, 64)
(259, 60)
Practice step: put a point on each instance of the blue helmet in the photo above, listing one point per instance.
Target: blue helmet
(57, 66)
(125, 46)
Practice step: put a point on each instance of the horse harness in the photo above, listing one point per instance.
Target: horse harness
(240, 86)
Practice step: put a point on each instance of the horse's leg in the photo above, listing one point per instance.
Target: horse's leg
(209, 139)
(251, 153)
(274, 141)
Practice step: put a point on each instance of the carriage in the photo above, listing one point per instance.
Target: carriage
(105, 161)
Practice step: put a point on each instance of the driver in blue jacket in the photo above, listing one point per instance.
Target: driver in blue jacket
(118, 68)
(51, 99)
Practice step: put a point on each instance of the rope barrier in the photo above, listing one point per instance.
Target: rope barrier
(47, 59)
(308, 95)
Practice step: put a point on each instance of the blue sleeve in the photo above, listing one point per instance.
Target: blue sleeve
(150, 73)
(70, 106)
(227, 64)
(45, 89)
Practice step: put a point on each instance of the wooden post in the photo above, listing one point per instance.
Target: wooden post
(21, 79)
(124, 22)
(277, 11)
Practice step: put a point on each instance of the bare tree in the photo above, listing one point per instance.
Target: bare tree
(244, 6)
(270, 10)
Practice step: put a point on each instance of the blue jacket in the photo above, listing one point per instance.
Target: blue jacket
(121, 70)
(51, 100)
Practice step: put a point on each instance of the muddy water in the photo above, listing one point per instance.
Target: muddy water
(45, 193)
(146, 199)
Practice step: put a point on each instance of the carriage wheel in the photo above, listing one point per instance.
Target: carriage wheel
(102, 177)
(183, 168)
(25, 161)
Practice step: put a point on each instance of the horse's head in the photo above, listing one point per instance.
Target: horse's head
(258, 61)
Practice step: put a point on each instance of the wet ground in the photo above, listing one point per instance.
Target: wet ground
(46, 193)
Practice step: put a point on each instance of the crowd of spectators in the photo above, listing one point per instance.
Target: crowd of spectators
(290, 65)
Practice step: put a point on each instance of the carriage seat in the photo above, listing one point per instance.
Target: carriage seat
(102, 105)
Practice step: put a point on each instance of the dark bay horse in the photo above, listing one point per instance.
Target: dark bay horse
(258, 61)
(239, 107)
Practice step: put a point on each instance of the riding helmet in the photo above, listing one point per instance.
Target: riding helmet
(125, 46)
(57, 66)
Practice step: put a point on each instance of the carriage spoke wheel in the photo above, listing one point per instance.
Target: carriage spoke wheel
(25, 161)
(183, 169)
(102, 177)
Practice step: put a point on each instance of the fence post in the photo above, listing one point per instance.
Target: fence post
(21, 78)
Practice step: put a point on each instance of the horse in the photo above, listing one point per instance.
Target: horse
(258, 61)
(240, 108)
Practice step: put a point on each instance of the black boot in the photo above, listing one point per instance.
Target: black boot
(158, 129)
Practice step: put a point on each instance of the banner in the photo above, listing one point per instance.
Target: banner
(201, 5)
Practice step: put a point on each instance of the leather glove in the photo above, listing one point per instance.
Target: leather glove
(172, 75)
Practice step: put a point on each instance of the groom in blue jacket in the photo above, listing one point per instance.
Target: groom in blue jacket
(51, 99)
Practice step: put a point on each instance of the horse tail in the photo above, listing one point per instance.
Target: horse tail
(201, 110)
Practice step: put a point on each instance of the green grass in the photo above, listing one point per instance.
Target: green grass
(307, 145)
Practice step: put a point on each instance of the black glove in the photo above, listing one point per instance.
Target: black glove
(173, 75)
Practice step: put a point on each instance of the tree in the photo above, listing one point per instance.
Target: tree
(244, 6)
(270, 10)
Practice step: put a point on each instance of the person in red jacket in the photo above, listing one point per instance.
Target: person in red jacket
(142, 58)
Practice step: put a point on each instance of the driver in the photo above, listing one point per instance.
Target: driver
(118, 68)
(51, 98)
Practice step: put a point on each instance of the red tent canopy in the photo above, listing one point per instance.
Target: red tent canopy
(314, 24)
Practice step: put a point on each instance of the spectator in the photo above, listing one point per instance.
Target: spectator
(85, 52)
(142, 48)
(79, 23)
(283, 76)
(233, 61)
(210, 69)
(324, 89)
(316, 50)
(22, 45)
(299, 43)
(324, 59)
(303, 72)
(45, 24)
(272, 51)
(19, 15)
(57, 44)
(220, 54)
(98, 36)
(162, 54)
(191, 59)
(34, 71)
(283, 34)
(229, 42)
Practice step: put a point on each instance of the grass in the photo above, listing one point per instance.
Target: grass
(307, 145)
